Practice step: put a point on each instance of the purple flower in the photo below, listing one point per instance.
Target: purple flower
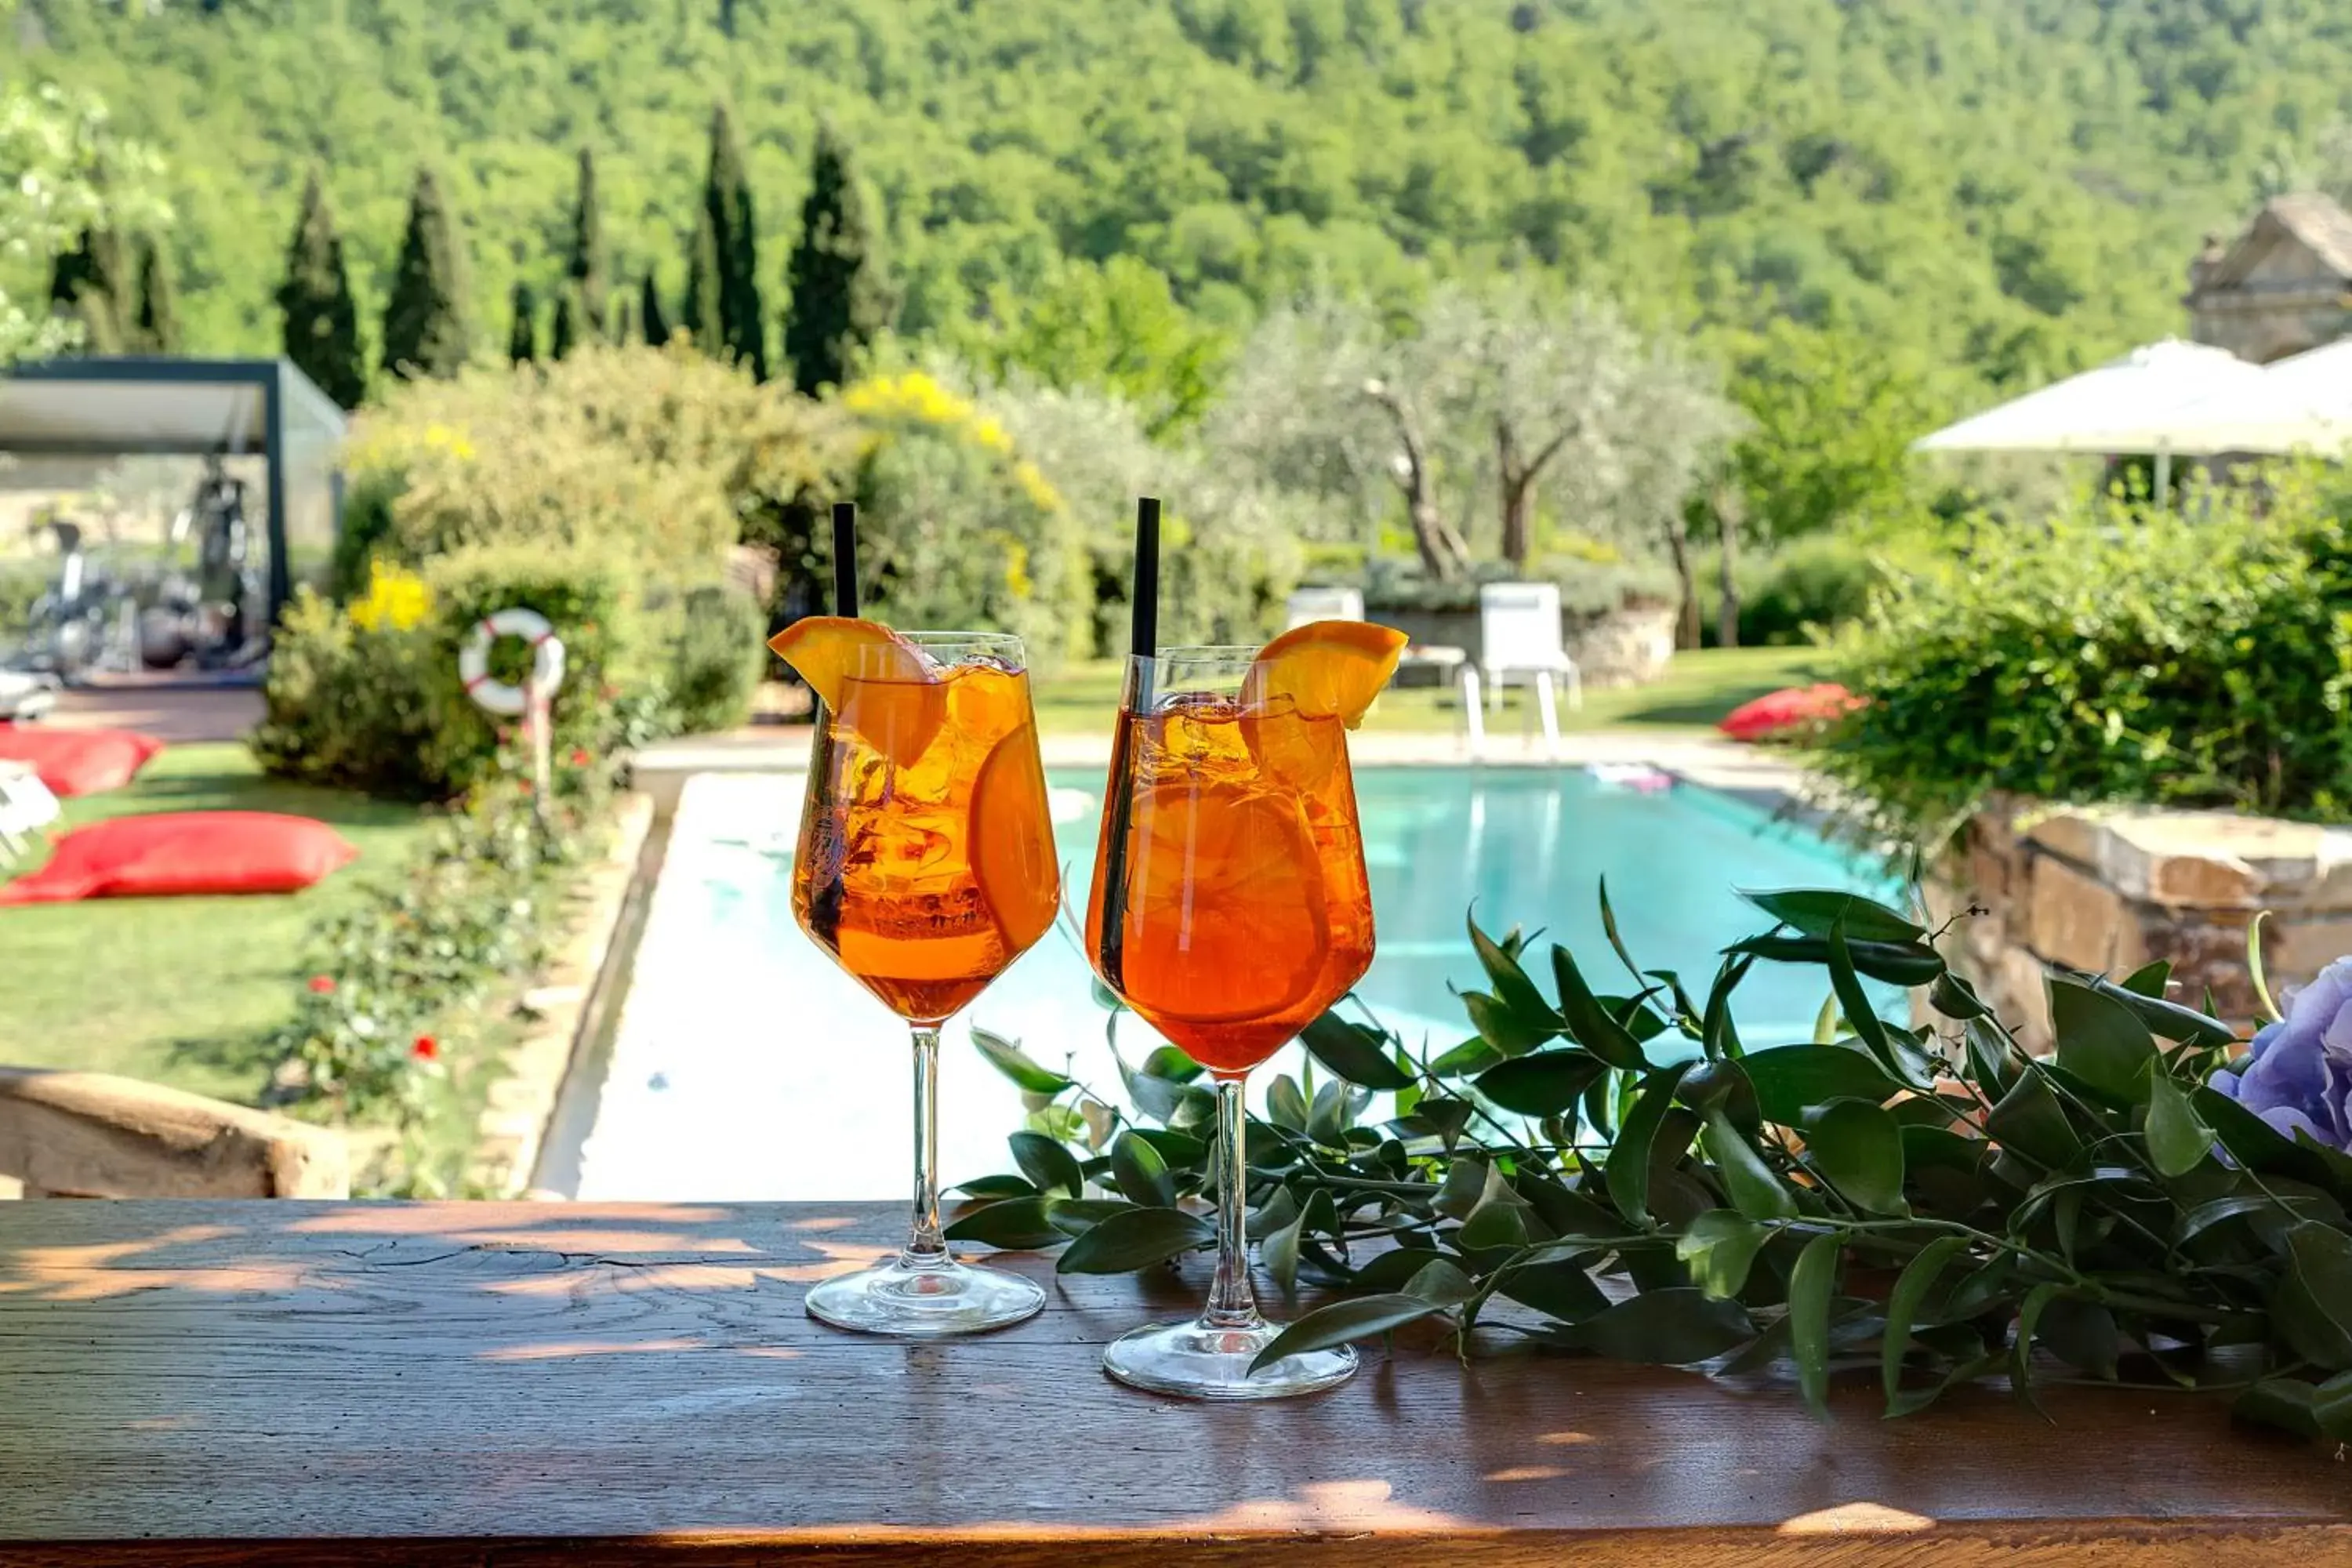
(2298, 1074)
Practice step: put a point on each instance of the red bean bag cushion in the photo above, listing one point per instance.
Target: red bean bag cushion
(79, 761)
(178, 853)
(1792, 711)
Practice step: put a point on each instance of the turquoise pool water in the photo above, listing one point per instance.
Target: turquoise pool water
(747, 1066)
(1530, 847)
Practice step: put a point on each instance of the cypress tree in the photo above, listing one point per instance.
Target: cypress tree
(566, 333)
(424, 321)
(158, 327)
(321, 333)
(701, 317)
(585, 266)
(839, 298)
(651, 317)
(741, 326)
(522, 336)
(93, 284)
(624, 317)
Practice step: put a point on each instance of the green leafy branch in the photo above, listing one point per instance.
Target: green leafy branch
(1627, 1177)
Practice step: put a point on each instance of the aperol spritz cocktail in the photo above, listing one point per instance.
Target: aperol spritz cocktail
(1230, 909)
(926, 866)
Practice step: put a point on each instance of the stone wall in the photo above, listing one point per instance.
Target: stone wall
(2110, 889)
(1629, 647)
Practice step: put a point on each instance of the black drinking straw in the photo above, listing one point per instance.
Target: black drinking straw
(1143, 640)
(845, 558)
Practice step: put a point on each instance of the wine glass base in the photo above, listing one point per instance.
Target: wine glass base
(945, 1298)
(1194, 1361)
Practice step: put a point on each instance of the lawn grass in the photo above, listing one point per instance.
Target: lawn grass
(182, 991)
(1698, 689)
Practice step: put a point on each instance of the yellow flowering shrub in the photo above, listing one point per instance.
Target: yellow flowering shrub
(397, 599)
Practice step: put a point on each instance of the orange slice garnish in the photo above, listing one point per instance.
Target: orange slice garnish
(1225, 919)
(1012, 841)
(873, 680)
(1327, 670)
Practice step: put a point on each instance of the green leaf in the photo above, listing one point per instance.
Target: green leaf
(1004, 1187)
(1513, 989)
(2312, 1308)
(1593, 1026)
(1465, 1184)
(1136, 1238)
(2177, 1140)
(1171, 1103)
(1719, 1246)
(1498, 1218)
(1444, 1116)
(2082, 1334)
(1007, 1058)
(1473, 1054)
(1168, 1062)
(1563, 1291)
(1954, 997)
(1676, 1326)
(1140, 1174)
(1285, 1105)
(1627, 1172)
(2311, 1206)
(1501, 1030)
(1048, 1164)
(1354, 1052)
(1858, 1149)
(1017, 1224)
(1392, 1271)
(1817, 912)
(1353, 1319)
(1180, 1150)
(1903, 1303)
(2100, 1041)
(2148, 979)
(1722, 1085)
(1907, 965)
(2256, 1144)
(1075, 1216)
(1337, 1106)
(2030, 1121)
(2020, 1350)
(1609, 929)
(1279, 1251)
(2286, 1403)
(1718, 1037)
(1992, 1055)
(1854, 1002)
(1543, 1084)
(1755, 1191)
(1811, 1283)
(1788, 1079)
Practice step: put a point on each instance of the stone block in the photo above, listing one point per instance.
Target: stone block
(2075, 919)
(2079, 836)
(2296, 949)
(2021, 999)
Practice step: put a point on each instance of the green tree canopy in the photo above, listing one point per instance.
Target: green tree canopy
(652, 319)
(155, 327)
(840, 302)
(425, 329)
(522, 329)
(723, 297)
(319, 319)
(584, 260)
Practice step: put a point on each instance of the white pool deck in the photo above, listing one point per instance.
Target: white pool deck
(740, 1070)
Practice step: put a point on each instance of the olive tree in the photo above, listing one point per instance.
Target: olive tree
(67, 173)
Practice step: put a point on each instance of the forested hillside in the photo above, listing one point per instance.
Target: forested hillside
(2003, 187)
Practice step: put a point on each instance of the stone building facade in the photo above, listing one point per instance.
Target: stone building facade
(2282, 286)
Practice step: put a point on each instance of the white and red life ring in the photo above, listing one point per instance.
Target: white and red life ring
(474, 659)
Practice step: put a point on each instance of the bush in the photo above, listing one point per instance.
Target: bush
(2116, 654)
(373, 703)
(1589, 586)
(1807, 586)
(715, 638)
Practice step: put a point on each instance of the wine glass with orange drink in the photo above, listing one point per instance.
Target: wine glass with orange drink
(926, 867)
(1230, 909)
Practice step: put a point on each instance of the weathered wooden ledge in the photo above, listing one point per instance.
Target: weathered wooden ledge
(220, 1383)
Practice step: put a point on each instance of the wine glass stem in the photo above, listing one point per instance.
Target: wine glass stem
(926, 1248)
(1232, 1303)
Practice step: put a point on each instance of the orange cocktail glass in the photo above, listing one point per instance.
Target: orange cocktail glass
(926, 867)
(1230, 909)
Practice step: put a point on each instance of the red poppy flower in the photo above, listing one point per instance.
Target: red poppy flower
(579, 758)
(426, 1048)
(523, 785)
(322, 985)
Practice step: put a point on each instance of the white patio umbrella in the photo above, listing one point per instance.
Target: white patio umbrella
(2303, 404)
(2135, 404)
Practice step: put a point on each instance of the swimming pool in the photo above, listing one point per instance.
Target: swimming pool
(746, 1065)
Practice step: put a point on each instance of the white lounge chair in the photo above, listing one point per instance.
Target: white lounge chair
(1308, 605)
(26, 806)
(25, 696)
(1519, 638)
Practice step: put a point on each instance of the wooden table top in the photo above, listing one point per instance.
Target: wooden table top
(184, 1383)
